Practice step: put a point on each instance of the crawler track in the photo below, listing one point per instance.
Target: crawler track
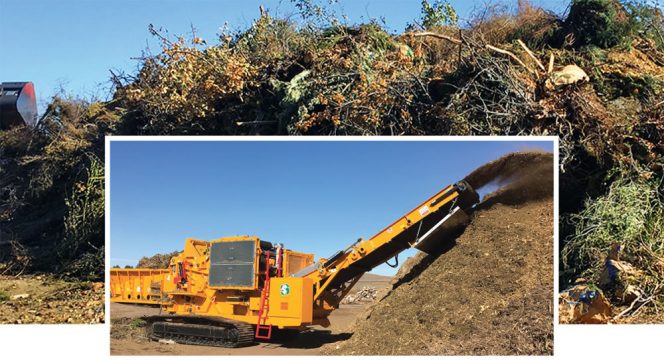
(205, 331)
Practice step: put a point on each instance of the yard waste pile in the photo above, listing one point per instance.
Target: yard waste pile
(365, 295)
(52, 194)
(593, 76)
(490, 292)
(159, 260)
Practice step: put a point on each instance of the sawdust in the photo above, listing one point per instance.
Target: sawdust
(520, 176)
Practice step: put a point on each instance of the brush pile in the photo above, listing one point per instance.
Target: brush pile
(365, 295)
(52, 188)
(158, 261)
(594, 77)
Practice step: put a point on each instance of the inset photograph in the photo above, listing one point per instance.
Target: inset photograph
(339, 247)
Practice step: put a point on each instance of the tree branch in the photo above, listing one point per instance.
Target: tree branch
(530, 53)
(436, 35)
(511, 55)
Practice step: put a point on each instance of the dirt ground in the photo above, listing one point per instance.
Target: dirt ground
(44, 299)
(127, 339)
(491, 293)
(645, 318)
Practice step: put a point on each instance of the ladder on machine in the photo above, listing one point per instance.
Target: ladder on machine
(264, 307)
(265, 297)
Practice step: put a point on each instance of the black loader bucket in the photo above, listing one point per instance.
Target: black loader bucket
(18, 104)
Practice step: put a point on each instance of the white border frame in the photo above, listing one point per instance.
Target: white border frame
(107, 183)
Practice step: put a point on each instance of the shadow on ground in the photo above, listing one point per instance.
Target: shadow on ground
(307, 339)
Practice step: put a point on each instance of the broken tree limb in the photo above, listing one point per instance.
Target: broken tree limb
(550, 69)
(511, 55)
(436, 35)
(488, 46)
(530, 53)
(642, 301)
(255, 122)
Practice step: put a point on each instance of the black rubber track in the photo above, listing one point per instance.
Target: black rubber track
(196, 330)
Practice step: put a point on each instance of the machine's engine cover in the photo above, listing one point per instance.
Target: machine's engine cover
(232, 264)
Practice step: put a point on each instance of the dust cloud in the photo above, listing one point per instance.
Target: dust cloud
(520, 177)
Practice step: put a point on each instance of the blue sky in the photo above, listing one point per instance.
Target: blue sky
(312, 196)
(74, 43)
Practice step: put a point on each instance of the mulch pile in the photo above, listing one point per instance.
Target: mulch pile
(490, 294)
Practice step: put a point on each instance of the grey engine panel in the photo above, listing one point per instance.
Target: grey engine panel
(232, 264)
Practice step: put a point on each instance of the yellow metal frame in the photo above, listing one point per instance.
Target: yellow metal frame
(365, 247)
(135, 285)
